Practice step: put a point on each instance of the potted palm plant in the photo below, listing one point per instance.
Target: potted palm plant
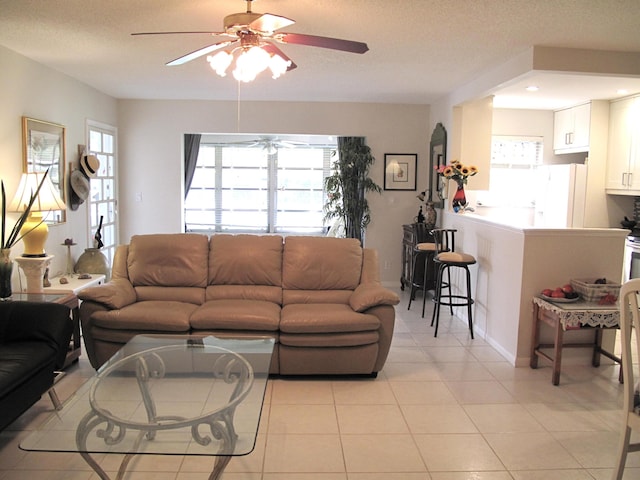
(347, 185)
(9, 238)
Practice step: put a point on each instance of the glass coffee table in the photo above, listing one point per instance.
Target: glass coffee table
(165, 395)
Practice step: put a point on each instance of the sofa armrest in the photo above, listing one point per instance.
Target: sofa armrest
(370, 295)
(116, 294)
(45, 322)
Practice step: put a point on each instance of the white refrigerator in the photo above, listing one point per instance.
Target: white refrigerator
(560, 195)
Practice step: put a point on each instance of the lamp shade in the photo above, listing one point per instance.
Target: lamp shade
(34, 231)
(48, 197)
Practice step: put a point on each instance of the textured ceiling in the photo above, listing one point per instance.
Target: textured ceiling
(419, 49)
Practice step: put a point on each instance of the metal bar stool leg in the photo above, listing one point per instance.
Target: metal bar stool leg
(469, 301)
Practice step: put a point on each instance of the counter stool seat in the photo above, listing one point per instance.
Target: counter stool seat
(445, 259)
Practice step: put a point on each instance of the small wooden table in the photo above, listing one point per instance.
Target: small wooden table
(571, 316)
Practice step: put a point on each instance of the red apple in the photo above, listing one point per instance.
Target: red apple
(547, 292)
(557, 293)
(567, 288)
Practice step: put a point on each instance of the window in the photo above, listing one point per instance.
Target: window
(103, 200)
(513, 167)
(255, 189)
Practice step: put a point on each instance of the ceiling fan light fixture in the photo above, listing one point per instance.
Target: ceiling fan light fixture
(220, 62)
(278, 65)
(249, 63)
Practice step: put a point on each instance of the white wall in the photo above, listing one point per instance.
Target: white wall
(150, 160)
(30, 89)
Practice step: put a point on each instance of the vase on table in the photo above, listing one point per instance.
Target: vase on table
(93, 261)
(6, 270)
(459, 201)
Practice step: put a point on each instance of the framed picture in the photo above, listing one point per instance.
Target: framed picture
(400, 171)
(44, 147)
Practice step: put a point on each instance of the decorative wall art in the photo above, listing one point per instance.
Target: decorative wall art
(43, 147)
(400, 171)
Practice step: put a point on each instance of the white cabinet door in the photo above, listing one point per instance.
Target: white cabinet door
(562, 126)
(571, 129)
(581, 126)
(621, 171)
(634, 145)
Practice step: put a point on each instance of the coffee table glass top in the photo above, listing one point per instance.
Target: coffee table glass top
(182, 395)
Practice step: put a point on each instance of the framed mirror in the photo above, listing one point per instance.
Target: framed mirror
(44, 147)
(437, 157)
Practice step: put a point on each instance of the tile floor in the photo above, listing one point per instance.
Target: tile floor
(446, 408)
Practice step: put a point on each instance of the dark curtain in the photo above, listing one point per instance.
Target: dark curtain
(191, 149)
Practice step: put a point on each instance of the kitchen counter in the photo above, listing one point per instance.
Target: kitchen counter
(517, 262)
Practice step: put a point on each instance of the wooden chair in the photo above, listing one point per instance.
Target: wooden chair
(629, 318)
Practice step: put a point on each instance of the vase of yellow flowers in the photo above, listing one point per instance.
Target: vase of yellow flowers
(460, 174)
(9, 238)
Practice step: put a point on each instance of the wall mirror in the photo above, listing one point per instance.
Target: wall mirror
(437, 157)
(43, 147)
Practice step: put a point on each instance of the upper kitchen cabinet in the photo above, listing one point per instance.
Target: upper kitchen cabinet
(623, 154)
(571, 129)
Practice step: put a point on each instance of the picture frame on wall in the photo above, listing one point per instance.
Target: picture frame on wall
(400, 171)
(44, 148)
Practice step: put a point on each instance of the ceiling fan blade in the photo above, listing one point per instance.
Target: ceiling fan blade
(268, 22)
(199, 53)
(271, 48)
(324, 42)
(181, 33)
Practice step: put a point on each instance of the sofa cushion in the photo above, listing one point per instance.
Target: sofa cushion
(245, 292)
(316, 296)
(325, 318)
(321, 263)
(147, 316)
(169, 260)
(329, 340)
(176, 294)
(19, 361)
(240, 315)
(245, 260)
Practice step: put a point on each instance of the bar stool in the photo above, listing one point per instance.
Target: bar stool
(447, 257)
(423, 255)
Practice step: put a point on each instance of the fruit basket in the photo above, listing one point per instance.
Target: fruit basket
(594, 292)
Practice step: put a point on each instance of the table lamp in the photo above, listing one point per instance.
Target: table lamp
(35, 230)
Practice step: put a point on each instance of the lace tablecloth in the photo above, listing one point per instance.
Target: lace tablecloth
(581, 313)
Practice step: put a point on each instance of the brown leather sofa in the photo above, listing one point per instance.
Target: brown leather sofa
(320, 297)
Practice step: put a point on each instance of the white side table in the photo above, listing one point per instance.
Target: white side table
(74, 286)
(33, 268)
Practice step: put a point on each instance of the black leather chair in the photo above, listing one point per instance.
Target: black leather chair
(34, 338)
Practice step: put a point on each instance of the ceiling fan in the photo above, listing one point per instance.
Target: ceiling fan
(247, 30)
(270, 144)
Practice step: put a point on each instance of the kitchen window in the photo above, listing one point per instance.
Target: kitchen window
(514, 161)
(258, 188)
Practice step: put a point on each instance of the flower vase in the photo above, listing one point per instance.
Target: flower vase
(93, 261)
(6, 270)
(459, 201)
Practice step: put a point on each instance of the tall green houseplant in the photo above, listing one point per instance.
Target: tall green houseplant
(347, 186)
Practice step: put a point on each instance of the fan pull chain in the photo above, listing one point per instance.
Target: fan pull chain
(238, 109)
